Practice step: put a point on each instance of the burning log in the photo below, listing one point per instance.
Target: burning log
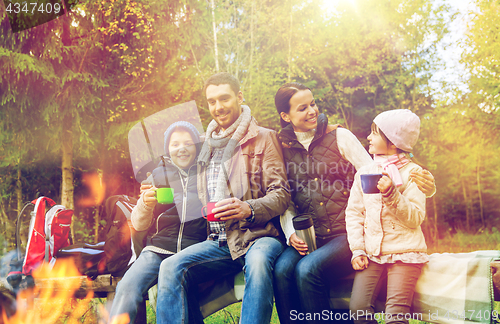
(51, 304)
(102, 286)
(7, 302)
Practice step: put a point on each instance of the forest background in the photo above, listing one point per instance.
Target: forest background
(72, 88)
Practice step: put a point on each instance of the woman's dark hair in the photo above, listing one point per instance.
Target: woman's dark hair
(283, 96)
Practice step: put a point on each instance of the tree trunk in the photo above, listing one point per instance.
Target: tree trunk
(478, 176)
(67, 188)
(100, 174)
(252, 46)
(290, 44)
(216, 51)
(97, 216)
(466, 200)
(472, 213)
(5, 218)
(237, 51)
(435, 234)
(19, 189)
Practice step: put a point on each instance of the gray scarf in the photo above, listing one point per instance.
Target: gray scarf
(228, 139)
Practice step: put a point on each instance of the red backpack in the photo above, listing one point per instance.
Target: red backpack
(48, 232)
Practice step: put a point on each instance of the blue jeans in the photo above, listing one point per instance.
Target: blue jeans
(302, 282)
(141, 276)
(180, 274)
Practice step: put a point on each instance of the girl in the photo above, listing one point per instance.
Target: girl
(384, 229)
(320, 162)
(174, 226)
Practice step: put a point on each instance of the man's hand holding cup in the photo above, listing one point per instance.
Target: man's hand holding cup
(226, 209)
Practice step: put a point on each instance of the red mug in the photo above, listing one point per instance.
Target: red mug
(209, 215)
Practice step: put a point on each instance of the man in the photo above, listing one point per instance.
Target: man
(241, 168)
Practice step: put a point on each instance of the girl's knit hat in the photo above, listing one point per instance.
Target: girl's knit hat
(195, 135)
(400, 126)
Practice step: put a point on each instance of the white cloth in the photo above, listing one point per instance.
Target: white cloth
(305, 138)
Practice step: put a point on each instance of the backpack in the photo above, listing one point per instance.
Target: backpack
(120, 248)
(48, 232)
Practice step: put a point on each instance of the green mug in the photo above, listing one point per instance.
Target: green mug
(164, 195)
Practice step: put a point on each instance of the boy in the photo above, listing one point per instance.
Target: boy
(177, 225)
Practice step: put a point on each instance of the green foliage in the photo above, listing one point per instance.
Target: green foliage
(83, 229)
(459, 146)
(482, 55)
(107, 65)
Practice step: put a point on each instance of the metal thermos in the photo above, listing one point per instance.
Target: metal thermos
(304, 228)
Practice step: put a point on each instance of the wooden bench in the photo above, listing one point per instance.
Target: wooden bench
(216, 295)
(104, 286)
(228, 291)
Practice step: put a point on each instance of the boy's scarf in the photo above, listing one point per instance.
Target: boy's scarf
(391, 164)
(228, 139)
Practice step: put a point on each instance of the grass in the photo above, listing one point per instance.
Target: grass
(231, 315)
(487, 239)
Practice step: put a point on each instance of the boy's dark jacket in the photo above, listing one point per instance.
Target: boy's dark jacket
(180, 224)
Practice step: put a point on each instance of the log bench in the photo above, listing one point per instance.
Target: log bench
(230, 290)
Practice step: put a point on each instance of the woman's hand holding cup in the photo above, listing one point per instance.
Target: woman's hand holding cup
(298, 244)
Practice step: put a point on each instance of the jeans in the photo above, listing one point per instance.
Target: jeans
(302, 282)
(401, 281)
(180, 274)
(141, 276)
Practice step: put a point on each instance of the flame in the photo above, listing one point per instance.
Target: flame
(97, 189)
(55, 300)
(120, 319)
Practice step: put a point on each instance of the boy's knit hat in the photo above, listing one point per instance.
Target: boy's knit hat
(400, 126)
(195, 135)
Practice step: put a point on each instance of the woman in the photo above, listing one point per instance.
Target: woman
(321, 162)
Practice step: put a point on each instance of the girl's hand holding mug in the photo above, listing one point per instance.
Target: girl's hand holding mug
(298, 244)
(360, 262)
(385, 183)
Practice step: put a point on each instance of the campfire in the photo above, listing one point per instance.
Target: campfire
(53, 300)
